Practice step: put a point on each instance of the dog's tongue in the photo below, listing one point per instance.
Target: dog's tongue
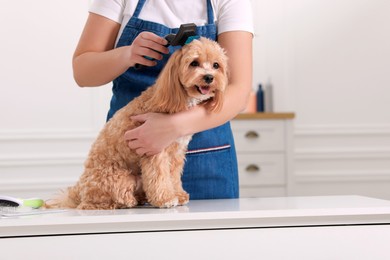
(204, 89)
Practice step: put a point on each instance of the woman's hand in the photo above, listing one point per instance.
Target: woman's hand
(96, 61)
(147, 44)
(157, 132)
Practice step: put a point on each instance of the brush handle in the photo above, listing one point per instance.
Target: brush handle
(33, 203)
(186, 33)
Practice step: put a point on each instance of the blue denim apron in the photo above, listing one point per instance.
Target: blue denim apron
(210, 171)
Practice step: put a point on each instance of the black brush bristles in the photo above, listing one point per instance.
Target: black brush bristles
(8, 203)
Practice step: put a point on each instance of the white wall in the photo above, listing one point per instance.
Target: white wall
(47, 123)
(328, 60)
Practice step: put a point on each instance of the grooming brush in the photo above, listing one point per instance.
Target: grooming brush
(7, 201)
(185, 35)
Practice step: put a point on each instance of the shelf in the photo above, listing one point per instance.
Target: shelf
(284, 115)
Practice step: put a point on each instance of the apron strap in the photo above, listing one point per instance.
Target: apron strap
(210, 13)
(139, 7)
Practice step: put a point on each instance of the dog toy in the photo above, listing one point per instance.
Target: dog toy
(185, 35)
(7, 201)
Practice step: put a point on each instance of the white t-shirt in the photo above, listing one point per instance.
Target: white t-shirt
(229, 15)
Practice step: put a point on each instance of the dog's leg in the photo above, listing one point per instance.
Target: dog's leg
(93, 198)
(157, 181)
(124, 189)
(108, 189)
(177, 166)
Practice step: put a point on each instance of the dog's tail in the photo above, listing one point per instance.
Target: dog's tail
(68, 198)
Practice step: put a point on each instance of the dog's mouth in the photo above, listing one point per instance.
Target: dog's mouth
(204, 90)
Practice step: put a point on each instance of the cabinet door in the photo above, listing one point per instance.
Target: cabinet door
(260, 169)
(258, 135)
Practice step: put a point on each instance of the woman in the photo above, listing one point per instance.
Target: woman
(121, 33)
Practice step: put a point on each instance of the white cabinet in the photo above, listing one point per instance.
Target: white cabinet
(264, 150)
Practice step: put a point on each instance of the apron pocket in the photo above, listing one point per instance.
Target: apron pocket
(210, 149)
(210, 173)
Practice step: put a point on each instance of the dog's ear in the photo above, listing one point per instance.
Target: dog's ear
(215, 104)
(170, 96)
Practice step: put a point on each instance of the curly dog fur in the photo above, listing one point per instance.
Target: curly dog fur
(117, 177)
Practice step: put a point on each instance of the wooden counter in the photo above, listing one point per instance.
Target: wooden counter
(286, 115)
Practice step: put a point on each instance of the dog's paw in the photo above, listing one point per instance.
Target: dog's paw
(93, 206)
(171, 203)
(183, 197)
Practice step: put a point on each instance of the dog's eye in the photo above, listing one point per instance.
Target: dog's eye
(216, 65)
(195, 63)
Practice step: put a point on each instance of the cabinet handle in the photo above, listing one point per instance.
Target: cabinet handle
(252, 168)
(252, 135)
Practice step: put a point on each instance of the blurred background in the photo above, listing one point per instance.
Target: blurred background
(328, 61)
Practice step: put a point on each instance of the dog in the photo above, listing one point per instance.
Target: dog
(117, 177)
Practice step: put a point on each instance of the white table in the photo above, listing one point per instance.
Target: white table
(337, 227)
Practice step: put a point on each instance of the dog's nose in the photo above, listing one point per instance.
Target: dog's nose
(208, 78)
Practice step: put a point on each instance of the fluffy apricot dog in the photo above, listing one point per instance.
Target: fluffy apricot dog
(114, 175)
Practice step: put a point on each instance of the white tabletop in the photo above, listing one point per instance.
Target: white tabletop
(206, 214)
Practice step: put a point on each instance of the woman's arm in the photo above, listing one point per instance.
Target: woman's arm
(238, 47)
(159, 130)
(96, 62)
